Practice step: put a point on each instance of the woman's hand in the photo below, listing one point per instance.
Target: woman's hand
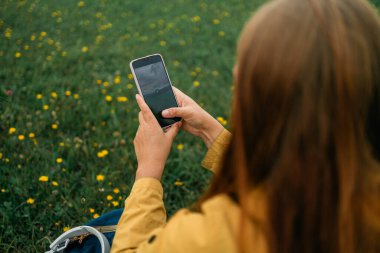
(195, 120)
(152, 145)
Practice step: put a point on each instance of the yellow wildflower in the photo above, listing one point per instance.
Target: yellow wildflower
(108, 98)
(84, 49)
(81, 4)
(130, 76)
(33, 37)
(109, 197)
(92, 210)
(68, 93)
(196, 83)
(196, 19)
(102, 153)
(178, 183)
(116, 190)
(122, 99)
(162, 43)
(54, 94)
(61, 144)
(222, 120)
(115, 203)
(180, 146)
(98, 82)
(63, 53)
(21, 137)
(43, 178)
(59, 160)
(1, 156)
(45, 107)
(39, 96)
(18, 54)
(95, 215)
(129, 86)
(54, 126)
(54, 183)
(76, 96)
(30, 201)
(43, 34)
(221, 33)
(66, 229)
(106, 84)
(32, 135)
(216, 21)
(100, 177)
(117, 80)
(11, 130)
(3, 190)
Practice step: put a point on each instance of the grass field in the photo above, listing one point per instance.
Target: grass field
(68, 114)
(67, 110)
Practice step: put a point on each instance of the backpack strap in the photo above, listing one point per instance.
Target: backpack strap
(60, 244)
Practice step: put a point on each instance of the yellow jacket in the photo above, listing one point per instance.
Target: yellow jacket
(143, 228)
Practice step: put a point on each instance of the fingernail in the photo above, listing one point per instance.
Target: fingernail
(137, 96)
(165, 113)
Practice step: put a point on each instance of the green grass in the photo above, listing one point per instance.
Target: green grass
(41, 52)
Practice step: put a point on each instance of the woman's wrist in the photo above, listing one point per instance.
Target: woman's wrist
(211, 132)
(149, 171)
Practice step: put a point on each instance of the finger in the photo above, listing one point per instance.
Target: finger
(172, 131)
(179, 92)
(141, 118)
(182, 112)
(147, 113)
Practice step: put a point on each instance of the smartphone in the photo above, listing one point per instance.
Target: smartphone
(153, 83)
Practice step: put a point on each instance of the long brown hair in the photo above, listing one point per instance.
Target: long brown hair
(304, 121)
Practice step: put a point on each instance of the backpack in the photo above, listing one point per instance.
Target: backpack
(96, 236)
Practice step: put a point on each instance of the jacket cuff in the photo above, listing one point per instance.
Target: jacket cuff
(147, 184)
(215, 153)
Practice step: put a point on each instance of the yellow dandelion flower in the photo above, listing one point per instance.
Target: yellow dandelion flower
(45, 107)
(66, 229)
(63, 53)
(196, 19)
(1, 156)
(162, 43)
(43, 34)
(129, 86)
(11, 130)
(43, 178)
(76, 96)
(130, 76)
(30, 201)
(68, 93)
(98, 82)
(54, 94)
(109, 197)
(100, 177)
(48, 58)
(59, 160)
(176, 63)
(108, 98)
(198, 69)
(215, 73)
(84, 49)
(178, 183)
(81, 4)
(7, 160)
(116, 190)
(26, 47)
(106, 84)
(54, 183)
(18, 54)
(54, 126)
(3, 190)
(216, 21)
(61, 144)
(221, 33)
(95, 215)
(122, 99)
(115, 203)
(21, 137)
(33, 37)
(222, 120)
(180, 146)
(196, 83)
(92, 210)
(117, 80)
(32, 135)
(193, 73)
(39, 96)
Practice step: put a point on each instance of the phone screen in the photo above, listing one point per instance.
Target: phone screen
(155, 87)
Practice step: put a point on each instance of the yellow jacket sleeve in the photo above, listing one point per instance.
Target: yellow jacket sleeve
(142, 226)
(215, 153)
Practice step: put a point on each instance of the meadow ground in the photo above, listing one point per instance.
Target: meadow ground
(67, 110)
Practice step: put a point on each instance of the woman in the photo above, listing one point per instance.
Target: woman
(300, 171)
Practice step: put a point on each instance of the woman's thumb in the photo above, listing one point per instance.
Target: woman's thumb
(174, 112)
